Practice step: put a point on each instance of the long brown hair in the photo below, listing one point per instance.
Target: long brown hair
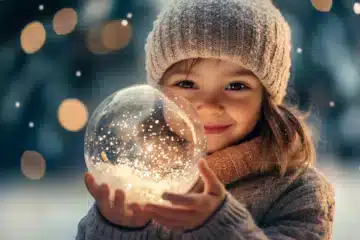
(287, 141)
(286, 136)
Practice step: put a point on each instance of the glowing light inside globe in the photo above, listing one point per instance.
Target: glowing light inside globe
(144, 141)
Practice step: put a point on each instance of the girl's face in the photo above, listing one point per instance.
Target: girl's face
(224, 94)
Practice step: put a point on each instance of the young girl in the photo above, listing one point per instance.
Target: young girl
(231, 60)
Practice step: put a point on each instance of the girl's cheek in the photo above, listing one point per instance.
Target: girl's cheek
(243, 108)
(240, 103)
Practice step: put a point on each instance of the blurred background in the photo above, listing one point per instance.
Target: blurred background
(59, 59)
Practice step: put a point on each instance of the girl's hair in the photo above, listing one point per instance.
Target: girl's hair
(286, 138)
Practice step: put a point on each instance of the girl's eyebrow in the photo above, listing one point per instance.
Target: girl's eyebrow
(180, 71)
(239, 72)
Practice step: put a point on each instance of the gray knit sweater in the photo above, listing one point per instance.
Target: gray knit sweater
(261, 207)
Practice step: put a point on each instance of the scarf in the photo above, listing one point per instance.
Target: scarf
(235, 162)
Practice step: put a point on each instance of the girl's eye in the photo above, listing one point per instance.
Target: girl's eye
(237, 86)
(185, 84)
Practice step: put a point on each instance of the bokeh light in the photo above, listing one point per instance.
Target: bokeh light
(357, 8)
(129, 15)
(17, 104)
(65, 21)
(33, 165)
(33, 37)
(322, 5)
(72, 115)
(31, 124)
(332, 104)
(116, 34)
(111, 36)
(299, 50)
(94, 41)
(78, 73)
(41, 7)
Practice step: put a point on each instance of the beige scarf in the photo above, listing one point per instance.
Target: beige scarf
(235, 162)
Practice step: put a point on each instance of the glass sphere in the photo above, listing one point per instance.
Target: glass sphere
(145, 141)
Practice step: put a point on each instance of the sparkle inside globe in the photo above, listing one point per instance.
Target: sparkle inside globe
(144, 141)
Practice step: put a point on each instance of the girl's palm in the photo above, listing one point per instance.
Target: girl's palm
(129, 215)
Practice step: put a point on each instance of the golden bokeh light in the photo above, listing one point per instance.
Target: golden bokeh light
(33, 37)
(33, 165)
(322, 5)
(116, 34)
(65, 21)
(109, 37)
(72, 115)
(94, 42)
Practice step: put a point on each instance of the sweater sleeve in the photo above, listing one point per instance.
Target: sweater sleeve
(304, 211)
(95, 226)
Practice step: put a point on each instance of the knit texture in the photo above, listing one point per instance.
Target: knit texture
(235, 162)
(259, 205)
(300, 206)
(252, 33)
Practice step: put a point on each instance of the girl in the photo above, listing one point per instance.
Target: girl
(231, 60)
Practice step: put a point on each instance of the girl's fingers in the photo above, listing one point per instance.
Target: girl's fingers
(90, 184)
(139, 215)
(212, 184)
(189, 200)
(119, 200)
(103, 199)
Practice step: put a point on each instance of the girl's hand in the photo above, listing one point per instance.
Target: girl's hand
(189, 211)
(116, 212)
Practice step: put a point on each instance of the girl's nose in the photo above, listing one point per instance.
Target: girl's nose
(209, 108)
(209, 102)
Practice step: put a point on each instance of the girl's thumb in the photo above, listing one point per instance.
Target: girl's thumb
(212, 184)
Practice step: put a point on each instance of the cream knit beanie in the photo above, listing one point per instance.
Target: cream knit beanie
(252, 33)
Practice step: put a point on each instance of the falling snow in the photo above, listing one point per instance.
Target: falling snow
(124, 22)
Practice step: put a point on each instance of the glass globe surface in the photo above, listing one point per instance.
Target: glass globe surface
(145, 142)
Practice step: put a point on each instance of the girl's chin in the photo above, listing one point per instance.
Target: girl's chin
(213, 147)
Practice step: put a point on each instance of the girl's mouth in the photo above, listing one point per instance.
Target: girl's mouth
(215, 129)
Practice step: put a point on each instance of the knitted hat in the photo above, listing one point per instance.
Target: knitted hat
(252, 33)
